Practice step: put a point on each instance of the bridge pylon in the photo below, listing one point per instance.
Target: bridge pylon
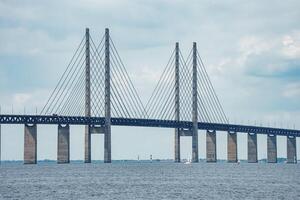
(177, 104)
(87, 132)
(107, 125)
(195, 157)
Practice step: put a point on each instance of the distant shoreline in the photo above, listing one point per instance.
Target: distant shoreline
(279, 160)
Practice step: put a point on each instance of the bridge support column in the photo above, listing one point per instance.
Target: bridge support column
(231, 147)
(272, 149)
(177, 145)
(63, 144)
(107, 144)
(87, 144)
(252, 148)
(195, 157)
(30, 144)
(87, 132)
(211, 149)
(107, 126)
(291, 149)
(177, 104)
(0, 140)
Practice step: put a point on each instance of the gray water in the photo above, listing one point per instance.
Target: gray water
(150, 181)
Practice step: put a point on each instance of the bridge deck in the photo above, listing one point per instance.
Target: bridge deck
(79, 120)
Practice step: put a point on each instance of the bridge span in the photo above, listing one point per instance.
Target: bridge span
(96, 126)
(96, 91)
(184, 125)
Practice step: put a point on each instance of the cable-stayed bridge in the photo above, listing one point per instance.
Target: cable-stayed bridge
(96, 91)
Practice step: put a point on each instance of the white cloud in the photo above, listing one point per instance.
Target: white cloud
(291, 45)
(232, 38)
(250, 45)
(25, 41)
(21, 98)
(292, 90)
(13, 10)
(30, 101)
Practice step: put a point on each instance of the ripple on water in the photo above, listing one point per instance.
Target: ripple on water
(150, 181)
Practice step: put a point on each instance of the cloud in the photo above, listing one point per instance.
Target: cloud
(292, 90)
(275, 57)
(291, 45)
(21, 98)
(251, 50)
(32, 101)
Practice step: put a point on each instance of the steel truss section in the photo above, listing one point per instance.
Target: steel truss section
(79, 120)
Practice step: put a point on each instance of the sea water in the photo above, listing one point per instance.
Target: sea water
(157, 180)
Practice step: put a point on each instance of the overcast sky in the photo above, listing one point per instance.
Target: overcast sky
(251, 50)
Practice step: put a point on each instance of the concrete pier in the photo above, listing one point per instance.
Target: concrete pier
(177, 145)
(87, 144)
(63, 144)
(252, 148)
(272, 149)
(30, 144)
(231, 147)
(211, 150)
(291, 149)
(107, 144)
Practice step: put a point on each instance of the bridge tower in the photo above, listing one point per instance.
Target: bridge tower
(195, 157)
(107, 125)
(87, 133)
(177, 104)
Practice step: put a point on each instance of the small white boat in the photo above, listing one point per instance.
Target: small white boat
(188, 161)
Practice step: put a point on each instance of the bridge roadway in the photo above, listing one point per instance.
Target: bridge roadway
(99, 121)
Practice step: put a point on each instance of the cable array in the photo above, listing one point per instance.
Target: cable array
(70, 85)
(209, 98)
(68, 97)
(126, 102)
(161, 104)
(97, 74)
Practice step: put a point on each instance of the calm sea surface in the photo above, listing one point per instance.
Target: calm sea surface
(150, 181)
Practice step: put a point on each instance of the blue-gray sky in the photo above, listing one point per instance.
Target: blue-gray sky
(251, 50)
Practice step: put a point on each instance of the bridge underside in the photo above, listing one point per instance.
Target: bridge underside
(96, 125)
(99, 121)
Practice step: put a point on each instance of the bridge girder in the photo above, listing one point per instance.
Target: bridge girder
(80, 120)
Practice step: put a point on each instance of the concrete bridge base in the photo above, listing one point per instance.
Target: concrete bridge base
(107, 144)
(177, 145)
(231, 147)
(211, 153)
(63, 144)
(272, 149)
(291, 149)
(252, 148)
(87, 144)
(195, 157)
(30, 144)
